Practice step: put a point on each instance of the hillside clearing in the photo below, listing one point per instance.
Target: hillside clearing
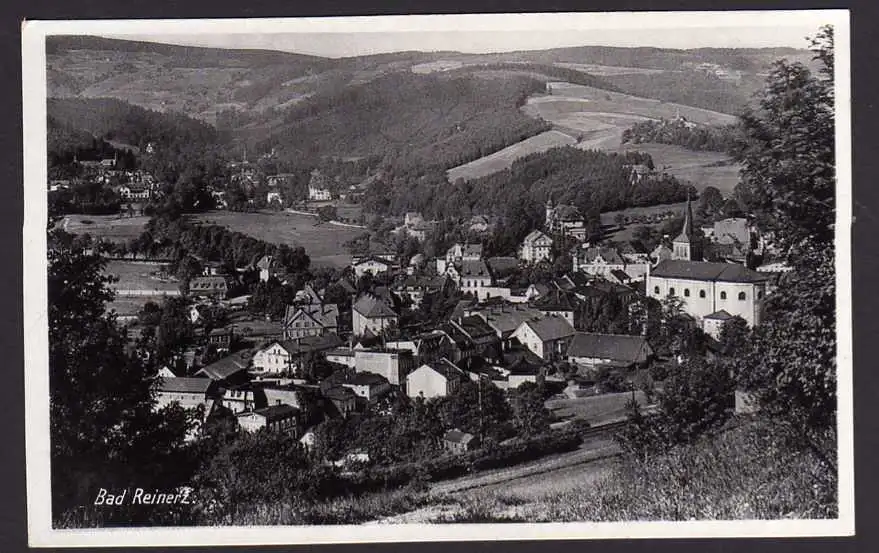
(324, 243)
(503, 159)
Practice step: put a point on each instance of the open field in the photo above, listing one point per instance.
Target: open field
(597, 409)
(594, 119)
(324, 243)
(140, 276)
(113, 228)
(503, 159)
(702, 169)
(608, 70)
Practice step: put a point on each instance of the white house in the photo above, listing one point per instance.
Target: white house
(536, 247)
(546, 337)
(371, 264)
(475, 277)
(437, 379)
(372, 314)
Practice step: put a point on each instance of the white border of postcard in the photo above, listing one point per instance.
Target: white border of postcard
(40, 531)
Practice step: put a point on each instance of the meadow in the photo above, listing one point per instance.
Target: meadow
(503, 159)
(323, 242)
(113, 228)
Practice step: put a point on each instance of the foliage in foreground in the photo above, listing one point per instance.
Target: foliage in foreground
(745, 473)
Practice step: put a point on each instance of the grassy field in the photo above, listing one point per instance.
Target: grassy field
(324, 243)
(503, 159)
(112, 228)
(140, 276)
(608, 70)
(702, 169)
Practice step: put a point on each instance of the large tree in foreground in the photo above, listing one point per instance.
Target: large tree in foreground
(104, 431)
(789, 178)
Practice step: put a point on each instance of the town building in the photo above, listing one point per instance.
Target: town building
(319, 187)
(310, 320)
(590, 350)
(275, 418)
(391, 364)
(709, 287)
(371, 264)
(536, 247)
(187, 392)
(371, 314)
(209, 286)
(269, 267)
(475, 278)
(565, 220)
(343, 399)
(438, 379)
(456, 441)
(713, 323)
(547, 337)
(286, 356)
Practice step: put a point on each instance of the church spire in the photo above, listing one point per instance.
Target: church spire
(686, 246)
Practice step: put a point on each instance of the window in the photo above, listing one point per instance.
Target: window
(741, 296)
(686, 292)
(671, 291)
(760, 295)
(723, 295)
(656, 290)
(701, 293)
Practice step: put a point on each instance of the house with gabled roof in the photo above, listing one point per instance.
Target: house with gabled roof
(209, 286)
(275, 418)
(536, 247)
(713, 323)
(372, 264)
(593, 349)
(301, 321)
(438, 379)
(371, 314)
(456, 441)
(229, 370)
(565, 220)
(286, 356)
(547, 337)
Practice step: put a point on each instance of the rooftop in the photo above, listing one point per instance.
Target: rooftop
(619, 347)
(186, 385)
(705, 270)
(551, 328)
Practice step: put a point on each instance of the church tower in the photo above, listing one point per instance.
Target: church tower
(687, 245)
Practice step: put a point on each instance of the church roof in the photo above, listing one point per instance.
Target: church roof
(705, 270)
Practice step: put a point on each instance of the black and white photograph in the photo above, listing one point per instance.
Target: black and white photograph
(531, 276)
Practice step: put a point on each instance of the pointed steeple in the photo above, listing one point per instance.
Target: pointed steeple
(686, 245)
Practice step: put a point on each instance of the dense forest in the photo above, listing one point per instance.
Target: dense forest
(176, 237)
(553, 71)
(707, 138)
(411, 120)
(120, 121)
(690, 88)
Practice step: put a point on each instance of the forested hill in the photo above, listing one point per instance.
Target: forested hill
(112, 119)
(430, 120)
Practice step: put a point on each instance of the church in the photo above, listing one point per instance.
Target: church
(706, 288)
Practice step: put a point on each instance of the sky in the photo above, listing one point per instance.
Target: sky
(340, 37)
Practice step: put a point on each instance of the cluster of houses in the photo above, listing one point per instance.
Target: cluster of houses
(495, 334)
(133, 186)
